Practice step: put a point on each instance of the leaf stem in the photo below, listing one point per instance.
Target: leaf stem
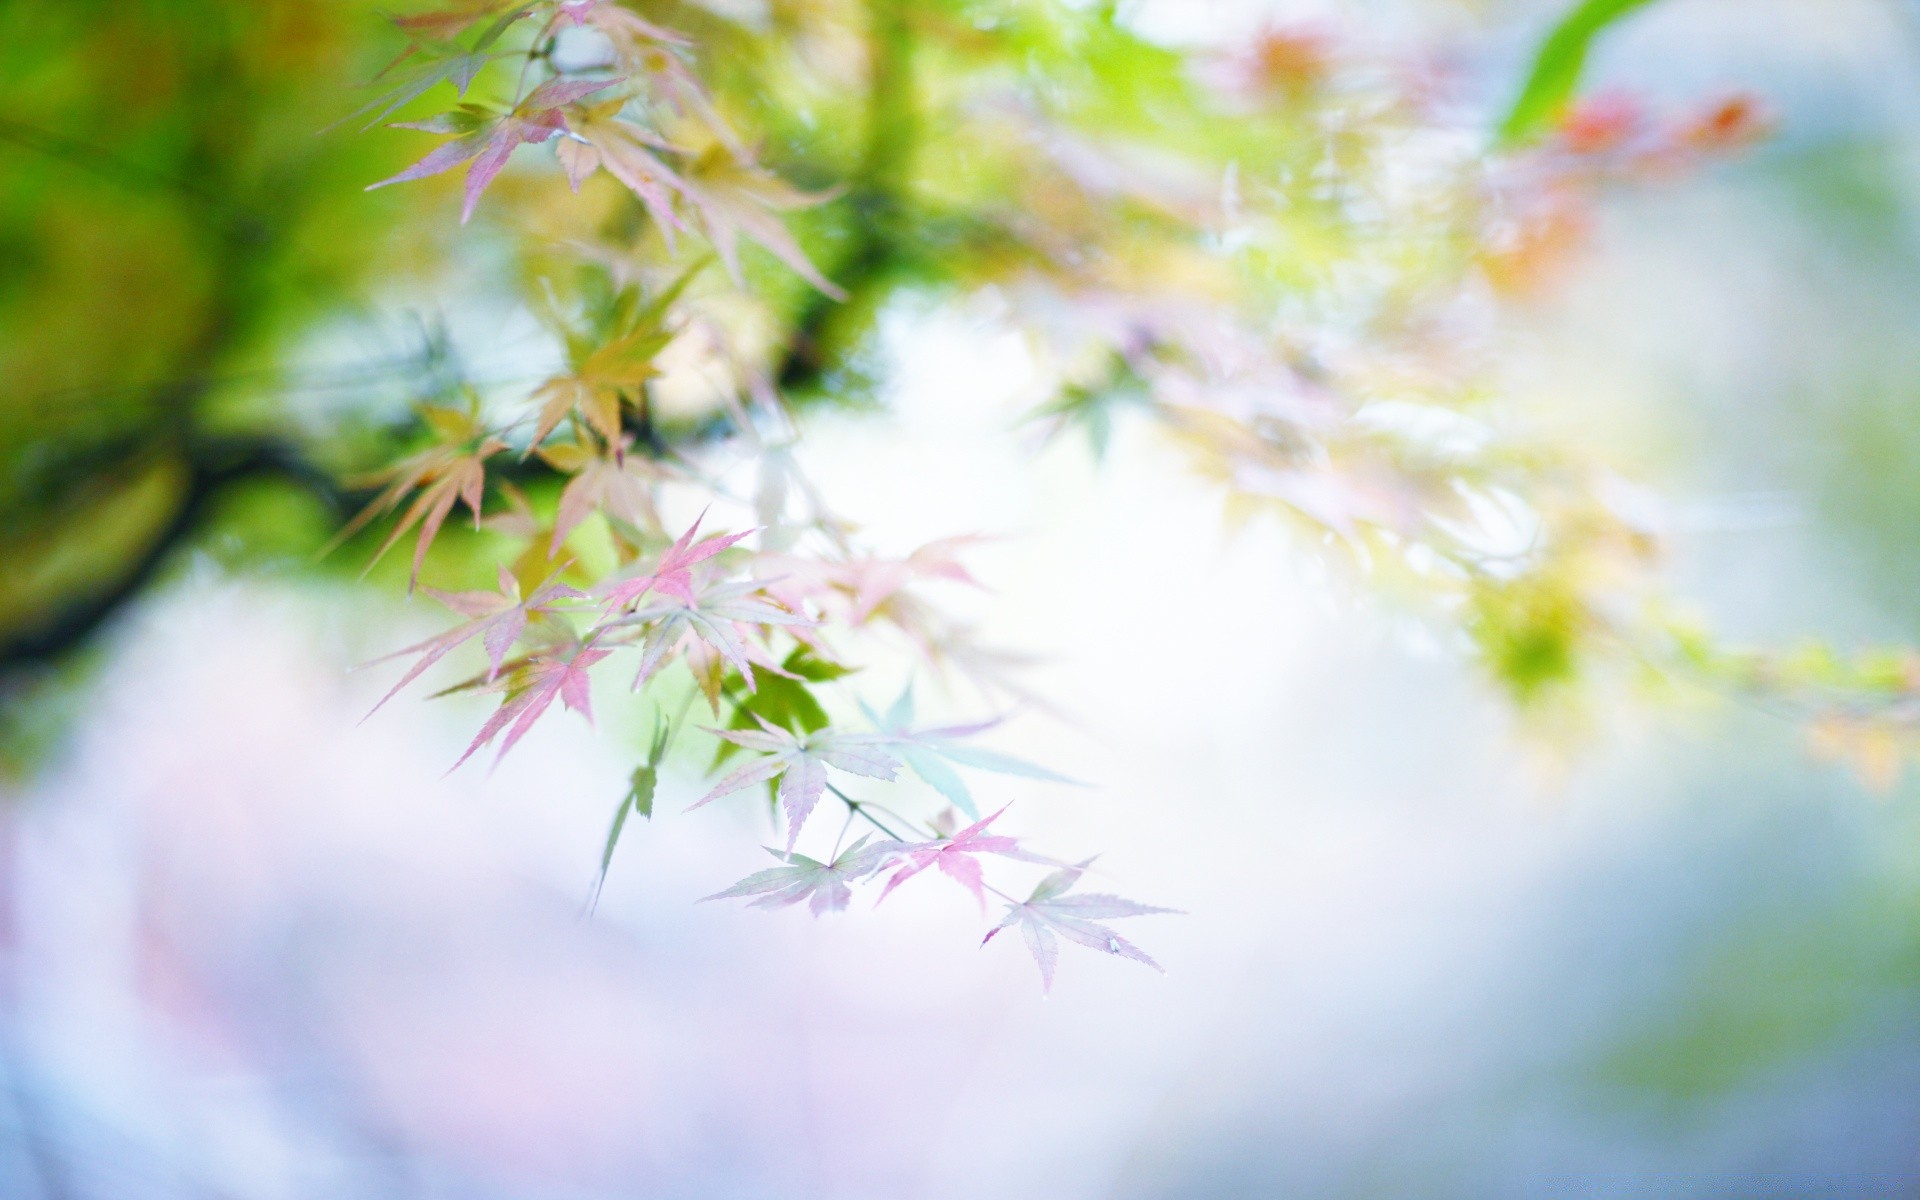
(842, 836)
(996, 891)
(854, 806)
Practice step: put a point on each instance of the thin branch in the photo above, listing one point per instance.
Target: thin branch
(857, 808)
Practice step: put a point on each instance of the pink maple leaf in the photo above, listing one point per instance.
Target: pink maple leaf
(874, 581)
(728, 618)
(671, 575)
(532, 690)
(488, 143)
(622, 26)
(954, 857)
(497, 618)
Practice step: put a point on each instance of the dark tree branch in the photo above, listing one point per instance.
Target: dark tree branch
(213, 467)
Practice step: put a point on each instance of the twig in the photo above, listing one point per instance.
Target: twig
(861, 809)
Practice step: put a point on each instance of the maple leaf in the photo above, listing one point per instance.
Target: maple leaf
(871, 585)
(497, 618)
(444, 25)
(601, 141)
(488, 138)
(720, 616)
(626, 29)
(954, 857)
(871, 582)
(452, 472)
(614, 482)
(532, 689)
(735, 198)
(800, 763)
(596, 399)
(647, 50)
(608, 371)
(929, 751)
(672, 575)
(518, 521)
(1049, 914)
(638, 797)
(825, 886)
(432, 35)
(1093, 409)
(710, 669)
(954, 648)
(783, 698)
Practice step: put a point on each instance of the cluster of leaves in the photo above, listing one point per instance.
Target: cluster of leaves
(1288, 259)
(689, 602)
(1860, 709)
(763, 620)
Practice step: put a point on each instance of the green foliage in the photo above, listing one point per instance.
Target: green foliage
(1557, 65)
(1091, 410)
(639, 795)
(1530, 632)
(780, 701)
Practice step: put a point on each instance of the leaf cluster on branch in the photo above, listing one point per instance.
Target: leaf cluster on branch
(1288, 259)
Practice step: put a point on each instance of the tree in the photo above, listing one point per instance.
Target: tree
(1287, 260)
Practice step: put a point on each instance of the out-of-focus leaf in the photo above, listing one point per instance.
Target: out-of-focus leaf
(451, 472)
(925, 749)
(1557, 65)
